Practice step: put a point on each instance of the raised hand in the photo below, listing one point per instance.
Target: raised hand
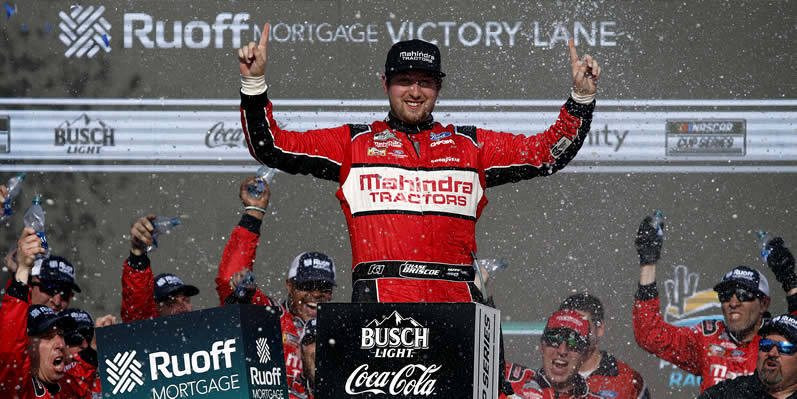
(28, 246)
(141, 234)
(648, 242)
(781, 261)
(252, 57)
(585, 71)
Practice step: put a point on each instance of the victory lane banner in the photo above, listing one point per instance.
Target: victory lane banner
(226, 352)
(407, 350)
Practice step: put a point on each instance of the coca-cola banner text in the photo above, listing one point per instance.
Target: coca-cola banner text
(407, 350)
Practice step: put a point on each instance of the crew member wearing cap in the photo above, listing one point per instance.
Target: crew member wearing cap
(311, 279)
(145, 296)
(52, 280)
(606, 375)
(412, 188)
(78, 340)
(714, 349)
(563, 346)
(776, 371)
(33, 354)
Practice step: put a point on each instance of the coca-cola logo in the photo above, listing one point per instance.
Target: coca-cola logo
(410, 380)
(219, 136)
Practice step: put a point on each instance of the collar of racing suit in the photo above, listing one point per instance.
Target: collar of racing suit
(580, 387)
(397, 124)
(296, 319)
(737, 341)
(607, 366)
(40, 387)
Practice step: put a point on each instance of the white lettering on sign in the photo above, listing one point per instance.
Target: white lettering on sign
(168, 366)
(412, 379)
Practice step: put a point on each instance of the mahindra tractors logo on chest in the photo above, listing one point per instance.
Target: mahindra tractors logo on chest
(394, 336)
(84, 31)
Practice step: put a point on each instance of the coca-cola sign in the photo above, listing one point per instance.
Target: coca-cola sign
(220, 136)
(407, 350)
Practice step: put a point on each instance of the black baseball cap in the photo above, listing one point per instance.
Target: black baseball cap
(167, 284)
(310, 267)
(41, 319)
(84, 326)
(785, 325)
(745, 277)
(413, 55)
(55, 268)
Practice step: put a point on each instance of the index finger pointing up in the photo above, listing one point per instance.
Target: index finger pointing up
(573, 53)
(264, 35)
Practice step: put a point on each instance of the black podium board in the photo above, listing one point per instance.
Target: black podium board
(407, 350)
(230, 352)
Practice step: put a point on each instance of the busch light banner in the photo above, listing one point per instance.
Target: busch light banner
(407, 350)
(230, 352)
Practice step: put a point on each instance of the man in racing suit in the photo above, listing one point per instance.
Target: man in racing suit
(563, 346)
(715, 350)
(311, 280)
(412, 188)
(33, 355)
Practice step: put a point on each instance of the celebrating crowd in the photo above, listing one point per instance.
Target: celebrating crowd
(411, 189)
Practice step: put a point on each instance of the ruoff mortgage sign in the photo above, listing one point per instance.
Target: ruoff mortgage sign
(227, 352)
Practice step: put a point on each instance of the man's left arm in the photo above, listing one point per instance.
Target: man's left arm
(781, 261)
(508, 158)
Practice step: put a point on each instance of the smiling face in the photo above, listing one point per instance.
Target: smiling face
(412, 94)
(48, 355)
(303, 299)
(561, 360)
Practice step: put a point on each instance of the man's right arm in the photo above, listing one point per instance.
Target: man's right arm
(678, 345)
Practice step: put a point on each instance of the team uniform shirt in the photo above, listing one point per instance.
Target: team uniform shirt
(84, 372)
(745, 387)
(532, 384)
(706, 349)
(138, 289)
(239, 253)
(16, 379)
(412, 212)
(614, 379)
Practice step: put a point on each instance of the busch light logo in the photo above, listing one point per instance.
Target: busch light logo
(124, 372)
(219, 136)
(263, 352)
(394, 337)
(84, 31)
(84, 135)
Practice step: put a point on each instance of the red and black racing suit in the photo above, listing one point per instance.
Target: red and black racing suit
(412, 213)
(706, 349)
(532, 384)
(615, 379)
(138, 289)
(16, 379)
(239, 253)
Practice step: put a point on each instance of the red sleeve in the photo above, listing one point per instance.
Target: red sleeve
(138, 296)
(15, 369)
(318, 152)
(239, 253)
(80, 379)
(680, 346)
(509, 158)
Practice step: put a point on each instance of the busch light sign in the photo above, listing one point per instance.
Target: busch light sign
(407, 350)
(228, 352)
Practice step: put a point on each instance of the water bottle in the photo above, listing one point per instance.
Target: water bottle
(657, 221)
(493, 266)
(162, 224)
(34, 218)
(246, 285)
(14, 186)
(763, 239)
(257, 188)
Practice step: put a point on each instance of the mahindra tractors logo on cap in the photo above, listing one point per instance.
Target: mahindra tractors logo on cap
(124, 372)
(84, 31)
(417, 56)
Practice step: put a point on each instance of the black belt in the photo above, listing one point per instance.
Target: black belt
(413, 270)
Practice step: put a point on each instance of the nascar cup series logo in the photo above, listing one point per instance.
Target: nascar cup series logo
(84, 31)
(394, 337)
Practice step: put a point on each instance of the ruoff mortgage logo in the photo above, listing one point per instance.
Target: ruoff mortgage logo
(394, 337)
(124, 372)
(263, 352)
(84, 31)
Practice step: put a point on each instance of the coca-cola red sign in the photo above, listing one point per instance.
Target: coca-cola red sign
(406, 350)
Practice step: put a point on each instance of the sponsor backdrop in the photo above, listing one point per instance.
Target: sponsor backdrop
(119, 109)
(232, 352)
